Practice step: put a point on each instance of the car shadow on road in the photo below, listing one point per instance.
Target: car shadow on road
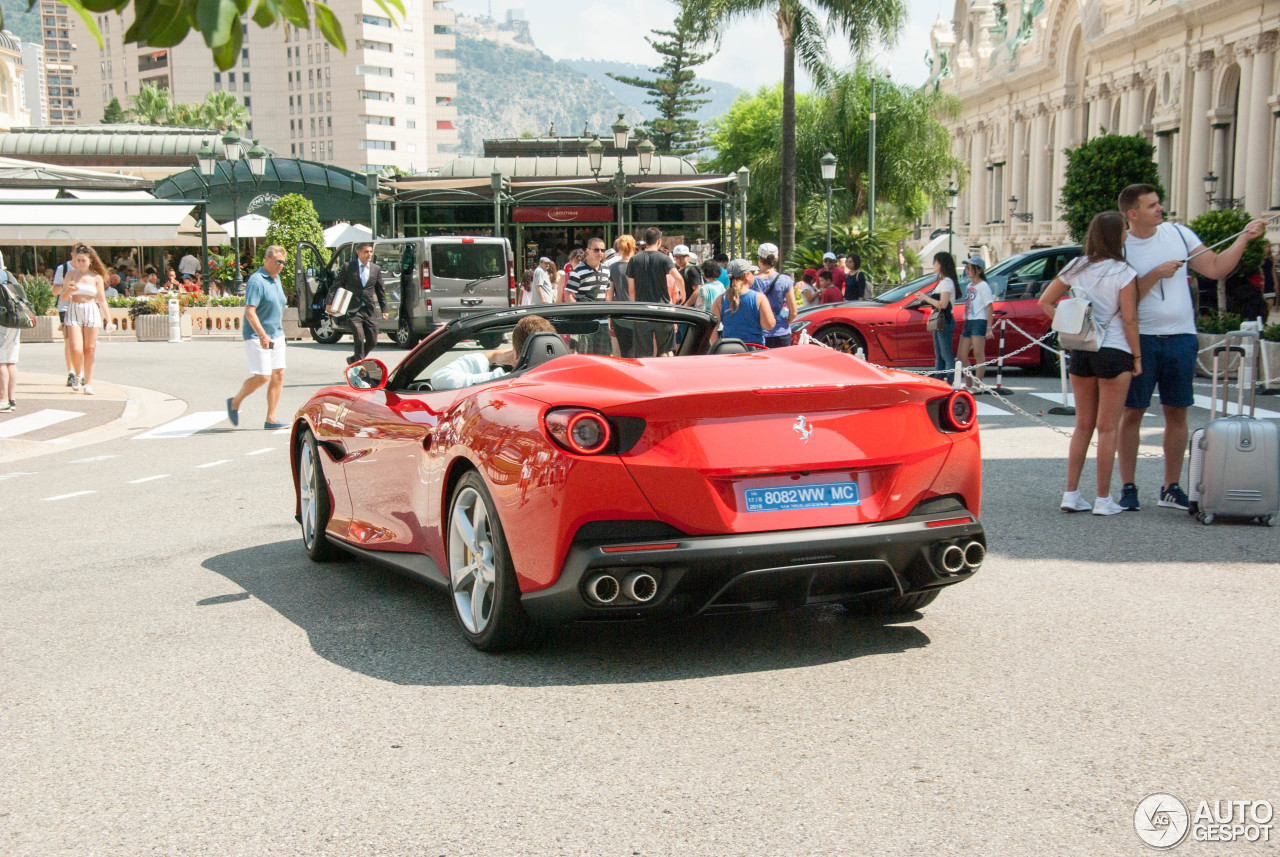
(374, 621)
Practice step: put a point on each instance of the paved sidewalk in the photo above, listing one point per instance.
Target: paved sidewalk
(51, 417)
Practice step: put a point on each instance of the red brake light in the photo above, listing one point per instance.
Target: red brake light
(578, 430)
(468, 240)
(959, 411)
(511, 281)
(426, 276)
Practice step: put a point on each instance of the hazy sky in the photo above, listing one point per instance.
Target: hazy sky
(750, 56)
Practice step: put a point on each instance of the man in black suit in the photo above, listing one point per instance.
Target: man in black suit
(364, 280)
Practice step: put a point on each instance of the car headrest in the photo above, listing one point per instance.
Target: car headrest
(729, 346)
(541, 347)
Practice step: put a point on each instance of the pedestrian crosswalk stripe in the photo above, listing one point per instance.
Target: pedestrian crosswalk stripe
(1261, 413)
(184, 426)
(14, 475)
(261, 451)
(985, 410)
(93, 459)
(148, 479)
(34, 422)
(213, 463)
(1056, 398)
(69, 496)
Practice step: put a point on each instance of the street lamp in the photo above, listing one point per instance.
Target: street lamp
(496, 182)
(621, 140)
(1024, 216)
(208, 161)
(744, 183)
(953, 199)
(828, 162)
(1210, 188)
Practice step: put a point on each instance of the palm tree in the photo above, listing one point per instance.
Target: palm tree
(223, 111)
(805, 27)
(151, 106)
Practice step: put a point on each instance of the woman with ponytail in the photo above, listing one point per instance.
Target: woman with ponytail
(85, 290)
(743, 312)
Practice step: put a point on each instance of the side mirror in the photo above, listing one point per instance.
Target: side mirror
(368, 374)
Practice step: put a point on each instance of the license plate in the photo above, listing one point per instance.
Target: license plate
(819, 496)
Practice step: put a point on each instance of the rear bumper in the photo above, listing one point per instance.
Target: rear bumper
(757, 571)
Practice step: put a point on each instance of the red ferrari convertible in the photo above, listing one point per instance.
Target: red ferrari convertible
(891, 328)
(580, 485)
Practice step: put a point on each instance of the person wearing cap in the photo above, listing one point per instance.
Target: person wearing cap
(779, 290)
(809, 291)
(543, 287)
(837, 271)
(691, 274)
(979, 321)
(744, 313)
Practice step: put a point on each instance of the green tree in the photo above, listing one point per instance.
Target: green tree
(114, 114)
(223, 111)
(805, 26)
(151, 106)
(293, 219)
(165, 23)
(1097, 170)
(674, 90)
(1214, 226)
(914, 162)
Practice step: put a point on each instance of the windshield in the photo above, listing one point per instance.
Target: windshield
(897, 293)
(468, 261)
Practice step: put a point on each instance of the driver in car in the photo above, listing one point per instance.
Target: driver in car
(472, 369)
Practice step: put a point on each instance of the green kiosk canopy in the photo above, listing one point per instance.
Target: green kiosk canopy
(337, 194)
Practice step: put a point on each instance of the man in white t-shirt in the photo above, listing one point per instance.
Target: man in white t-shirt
(1159, 251)
(188, 265)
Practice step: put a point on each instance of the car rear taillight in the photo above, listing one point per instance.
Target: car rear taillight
(426, 276)
(959, 411)
(511, 281)
(579, 430)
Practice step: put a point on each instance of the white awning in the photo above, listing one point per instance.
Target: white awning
(68, 222)
(20, 193)
(251, 226)
(110, 194)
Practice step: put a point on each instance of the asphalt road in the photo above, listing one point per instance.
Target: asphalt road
(179, 679)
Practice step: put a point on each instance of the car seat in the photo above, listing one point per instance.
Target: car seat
(729, 346)
(541, 347)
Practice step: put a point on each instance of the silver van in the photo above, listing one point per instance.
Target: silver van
(428, 282)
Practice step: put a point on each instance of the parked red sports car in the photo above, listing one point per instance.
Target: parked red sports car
(581, 486)
(890, 328)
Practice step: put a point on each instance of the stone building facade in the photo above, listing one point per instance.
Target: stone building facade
(1199, 78)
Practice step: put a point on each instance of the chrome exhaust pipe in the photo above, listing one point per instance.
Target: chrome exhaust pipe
(974, 554)
(603, 588)
(640, 586)
(951, 559)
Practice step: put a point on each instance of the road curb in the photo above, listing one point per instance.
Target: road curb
(143, 409)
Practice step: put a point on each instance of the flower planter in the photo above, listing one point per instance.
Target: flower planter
(155, 328)
(47, 329)
(292, 330)
(216, 321)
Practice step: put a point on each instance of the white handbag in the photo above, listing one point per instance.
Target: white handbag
(1075, 325)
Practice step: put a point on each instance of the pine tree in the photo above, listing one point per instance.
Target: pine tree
(674, 91)
(114, 114)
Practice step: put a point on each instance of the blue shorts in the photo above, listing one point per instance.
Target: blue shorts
(974, 327)
(1168, 362)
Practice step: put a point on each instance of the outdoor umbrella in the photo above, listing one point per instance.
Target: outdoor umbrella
(345, 233)
(251, 226)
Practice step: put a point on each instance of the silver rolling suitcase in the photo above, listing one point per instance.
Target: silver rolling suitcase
(1235, 460)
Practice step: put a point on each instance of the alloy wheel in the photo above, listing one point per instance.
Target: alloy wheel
(308, 482)
(471, 561)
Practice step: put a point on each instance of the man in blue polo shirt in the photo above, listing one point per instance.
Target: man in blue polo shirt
(263, 334)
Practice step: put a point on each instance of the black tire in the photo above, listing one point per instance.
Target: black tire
(490, 341)
(908, 603)
(325, 332)
(503, 625)
(404, 335)
(313, 500)
(842, 338)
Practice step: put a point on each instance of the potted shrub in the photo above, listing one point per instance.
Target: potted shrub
(39, 292)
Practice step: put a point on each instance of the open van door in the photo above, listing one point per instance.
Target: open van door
(311, 282)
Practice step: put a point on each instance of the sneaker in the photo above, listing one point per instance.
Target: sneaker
(1106, 506)
(73, 381)
(232, 414)
(1073, 502)
(5, 406)
(1129, 497)
(88, 389)
(1173, 497)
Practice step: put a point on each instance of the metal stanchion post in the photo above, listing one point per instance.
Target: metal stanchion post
(1066, 409)
(957, 377)
(175, 321)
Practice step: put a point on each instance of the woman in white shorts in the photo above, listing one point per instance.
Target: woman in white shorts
(85, 290)
(9, 341)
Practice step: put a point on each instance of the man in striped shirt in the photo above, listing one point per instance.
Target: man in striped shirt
(590, 282)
